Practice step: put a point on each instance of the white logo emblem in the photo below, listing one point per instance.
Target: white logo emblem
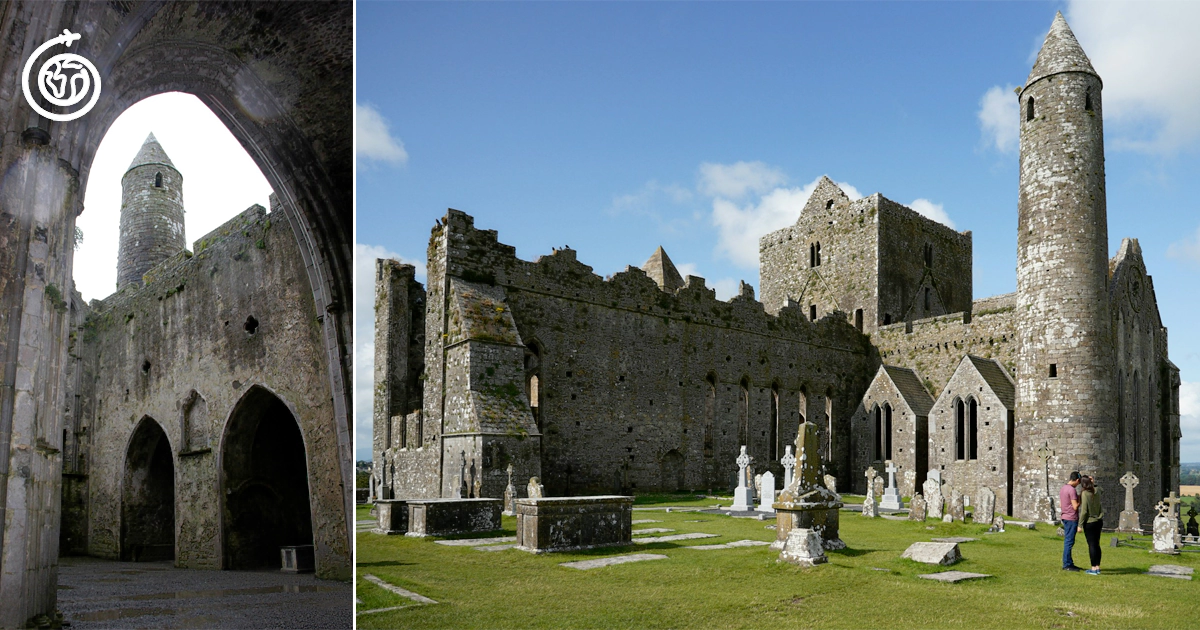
(64, 80)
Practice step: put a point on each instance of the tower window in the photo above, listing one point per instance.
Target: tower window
(1087, 100)
(1053, 370)
(818, 254)
(828, 204)
(1029, 113)
(928, 255)
(858, 319)
(812, 312)
(158, 180)
(887, 319)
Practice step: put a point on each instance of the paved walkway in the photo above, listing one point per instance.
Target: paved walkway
(95, 593)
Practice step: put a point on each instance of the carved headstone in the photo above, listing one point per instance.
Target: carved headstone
(916, 508)
(1164, 530)
(1130, 520)
(877, 487)
(891, 496)
(510, 495)
(803, 547)
(956, 510)
(535, 489)
(789, 466)
(743, 495)
(985, 506)
(910, 483)
(933, 494)
(767, 498)
(758, 485)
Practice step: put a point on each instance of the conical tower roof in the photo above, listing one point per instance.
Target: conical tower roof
(663, 271)
(1061, 52)
(151, 153)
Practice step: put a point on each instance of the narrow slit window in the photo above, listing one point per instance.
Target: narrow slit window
(158, 180)
(858, 319)
(973, 452)
(961, 412)
(1029, 109)
(1087, 100)
(1053, 370)
(812, 312)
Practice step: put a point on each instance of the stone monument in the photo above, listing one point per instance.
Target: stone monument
(985, 506)
(877, 486)
(916, 508)
(1130, 520)
(956, 510)
(1193, 528)
(743, 495)
(891, 496)
(910, 483)
(997, 525)
(510, 495)
(933, 494)
(535, 489)
(1165, 528)
(789, 466)
(803, 547)
(767, 496)
(805, 503)
(870, 509)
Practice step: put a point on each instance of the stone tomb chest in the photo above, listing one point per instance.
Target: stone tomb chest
(570, 523)
(445, 517)
(392, 515)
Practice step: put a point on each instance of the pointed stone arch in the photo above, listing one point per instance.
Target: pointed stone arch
(148, 495)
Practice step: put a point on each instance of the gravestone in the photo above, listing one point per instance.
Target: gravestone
(1193, 528)
(916, 508)
(743, 495)
(789, 466)
(877, 487)
(956, 510)
(997, 525)
(933, 553)
(933, 494)
(910, 483)
(805, 503)
(985, 506)
(946, 518)
(891, 496)
(510, 495)
(767, 498)
(831, 483)
(869, 508)
(535, 489)
(803, 547)
(1130, 520)
(1165, 527)
(758, 485)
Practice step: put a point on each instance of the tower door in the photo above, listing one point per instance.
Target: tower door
(148, 496)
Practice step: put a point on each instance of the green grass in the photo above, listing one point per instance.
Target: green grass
(746, 588)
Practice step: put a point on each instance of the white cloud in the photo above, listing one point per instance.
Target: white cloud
(999, 118)
(1149, 58)
(726, 288)
(739, 226)
(219, 180)
(373, 139)
(1187, 249)
(364, 332)
(1189, 421)
(930, 210)
(733, 181)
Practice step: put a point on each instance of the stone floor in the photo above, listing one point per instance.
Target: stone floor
(95, 593)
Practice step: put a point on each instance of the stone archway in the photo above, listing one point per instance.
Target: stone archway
(264, 483)
(279, 75)
(148, 495)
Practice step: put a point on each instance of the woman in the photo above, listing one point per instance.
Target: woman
(1091, 519)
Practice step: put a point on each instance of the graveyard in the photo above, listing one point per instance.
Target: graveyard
(704, 582)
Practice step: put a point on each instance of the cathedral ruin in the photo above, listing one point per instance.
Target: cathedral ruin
(866, 326)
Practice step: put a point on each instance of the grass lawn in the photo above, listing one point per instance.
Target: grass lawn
(865, 586)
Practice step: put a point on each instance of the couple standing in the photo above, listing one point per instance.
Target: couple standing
(1079, 501)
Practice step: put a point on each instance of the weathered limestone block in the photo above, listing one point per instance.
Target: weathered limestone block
(985, 506)
(870, 509)
(933, 496)
(445, 517)
(803, 547)
(916, 508)
(572, 523)
(956, 510)
(392, 515)
(997, 525)
(933, 553)
(1164, 535)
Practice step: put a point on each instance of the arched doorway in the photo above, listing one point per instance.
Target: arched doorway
(264, 483)
(148, 496)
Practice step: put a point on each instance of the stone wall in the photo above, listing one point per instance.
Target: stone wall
(214, 343)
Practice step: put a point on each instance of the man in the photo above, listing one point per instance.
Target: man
(1068, 505)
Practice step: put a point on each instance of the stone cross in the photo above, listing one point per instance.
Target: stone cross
(510, 474)
(535, 489)
(1045, 453)
(891, 496)
(1172, 500)
(789, 464)
(1130, 481)
(891, 471)
(743, 460)
(870, 480)
(743, 496)
(510, 494)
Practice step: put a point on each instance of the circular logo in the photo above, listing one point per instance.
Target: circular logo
(63, 80)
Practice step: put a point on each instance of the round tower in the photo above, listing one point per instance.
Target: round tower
(1066, 417)
(151, 213)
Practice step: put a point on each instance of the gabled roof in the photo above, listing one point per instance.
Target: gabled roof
(663, 271)
(1060, 52)
(996, 378)
(909, 385)
(825, 192)
(151, 153)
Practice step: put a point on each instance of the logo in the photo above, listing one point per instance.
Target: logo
(63, 80)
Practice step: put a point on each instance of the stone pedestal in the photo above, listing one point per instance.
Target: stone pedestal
(803, 547)
(1130, 522)
(573, 523)
(445, 517)
(806, 504)
(392, 516)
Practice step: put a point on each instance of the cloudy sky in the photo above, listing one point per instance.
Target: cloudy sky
(219, 180)
(616, 128)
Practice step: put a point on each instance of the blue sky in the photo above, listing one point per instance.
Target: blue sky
(618, 127)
